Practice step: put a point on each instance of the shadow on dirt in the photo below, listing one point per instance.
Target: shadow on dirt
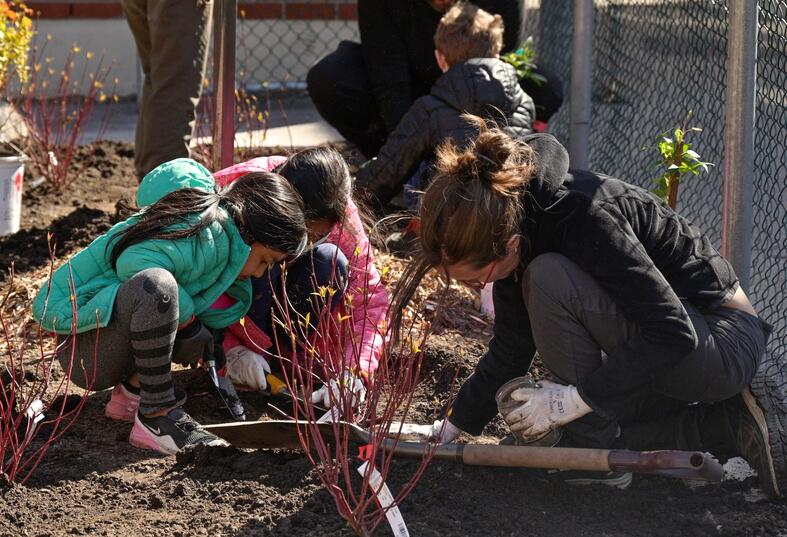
(28, 249)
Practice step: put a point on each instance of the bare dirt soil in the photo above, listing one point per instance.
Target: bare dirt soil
(92, 482)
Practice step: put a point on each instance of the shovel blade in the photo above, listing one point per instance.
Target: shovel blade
(274, 434)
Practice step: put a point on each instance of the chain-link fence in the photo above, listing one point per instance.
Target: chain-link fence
(656, 61)
(769, 259)
(277, 42)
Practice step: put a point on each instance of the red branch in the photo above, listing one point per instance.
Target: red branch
(24, 442)
(314, 350)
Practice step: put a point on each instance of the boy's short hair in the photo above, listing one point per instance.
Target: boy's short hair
(466, 31)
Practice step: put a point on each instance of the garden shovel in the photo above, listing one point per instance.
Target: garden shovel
(679, 464)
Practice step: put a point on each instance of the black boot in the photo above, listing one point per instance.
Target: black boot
(750, 435)
(742, 426)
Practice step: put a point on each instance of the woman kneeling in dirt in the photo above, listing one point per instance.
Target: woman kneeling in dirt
(139, 297)
(640, 322)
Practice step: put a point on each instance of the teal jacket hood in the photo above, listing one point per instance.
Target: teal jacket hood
(80, 295)
(172, 176)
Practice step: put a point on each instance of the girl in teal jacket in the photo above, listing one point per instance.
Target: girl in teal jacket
(139, 297)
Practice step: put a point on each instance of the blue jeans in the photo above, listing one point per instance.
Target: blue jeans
(325, 265)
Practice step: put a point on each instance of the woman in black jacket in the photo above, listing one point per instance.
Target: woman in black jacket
(633, 312)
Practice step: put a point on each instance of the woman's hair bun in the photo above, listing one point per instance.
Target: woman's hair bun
(502, 163)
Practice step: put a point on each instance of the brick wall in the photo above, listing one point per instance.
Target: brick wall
(281, 10)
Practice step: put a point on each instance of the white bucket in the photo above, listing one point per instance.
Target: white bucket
(12, 171)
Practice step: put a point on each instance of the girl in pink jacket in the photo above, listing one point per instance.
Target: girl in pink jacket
(341, 252)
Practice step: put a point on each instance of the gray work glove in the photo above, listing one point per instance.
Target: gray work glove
(192, 343)
(544, 407)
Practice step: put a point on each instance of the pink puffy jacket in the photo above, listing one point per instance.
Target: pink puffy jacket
(369, 296)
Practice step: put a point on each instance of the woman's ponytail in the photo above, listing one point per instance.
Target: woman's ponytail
(471, 208)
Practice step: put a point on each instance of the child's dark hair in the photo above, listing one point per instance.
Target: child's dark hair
(320, 175)
(471, 208)
(264, 207)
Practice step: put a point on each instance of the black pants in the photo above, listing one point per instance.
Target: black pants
(574, 321)
(342, 93)
(325, 265)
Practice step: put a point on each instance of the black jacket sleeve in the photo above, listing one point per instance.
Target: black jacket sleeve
(385, 57)
(510, 354)
(384, 175)
(602, 242)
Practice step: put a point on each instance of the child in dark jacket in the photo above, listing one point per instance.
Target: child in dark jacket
(467, 46)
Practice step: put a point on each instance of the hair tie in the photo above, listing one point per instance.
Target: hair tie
(489, 160)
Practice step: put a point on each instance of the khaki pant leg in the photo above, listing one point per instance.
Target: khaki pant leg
(179, 37)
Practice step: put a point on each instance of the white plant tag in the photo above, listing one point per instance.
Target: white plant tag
(386, 500)
(34, 413)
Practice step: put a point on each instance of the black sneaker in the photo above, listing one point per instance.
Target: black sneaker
(171, 433)
(612, 478)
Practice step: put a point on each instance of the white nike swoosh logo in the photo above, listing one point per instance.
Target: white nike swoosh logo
(155, 430)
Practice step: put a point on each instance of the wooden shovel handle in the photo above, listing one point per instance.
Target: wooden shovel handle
(535, 457)
(678, 464)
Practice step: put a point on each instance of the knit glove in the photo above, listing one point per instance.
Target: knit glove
(544, 408)
(192, 343)
(247, 368)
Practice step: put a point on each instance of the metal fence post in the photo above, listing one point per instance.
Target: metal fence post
(581, 84)
(224, 20)
(739, 137)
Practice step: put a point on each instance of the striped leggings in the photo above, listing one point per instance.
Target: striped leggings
(138, 338)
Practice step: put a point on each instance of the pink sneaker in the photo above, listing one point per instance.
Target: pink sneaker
(123, 404)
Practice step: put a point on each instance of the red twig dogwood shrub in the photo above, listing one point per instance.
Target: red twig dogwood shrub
(314, 353)
(37, 406)
(56, 104)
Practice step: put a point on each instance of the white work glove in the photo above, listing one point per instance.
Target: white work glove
(351, 384)
(247, 368)
(441, 431)
(545, 408)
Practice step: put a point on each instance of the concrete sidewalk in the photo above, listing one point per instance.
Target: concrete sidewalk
(293, 122)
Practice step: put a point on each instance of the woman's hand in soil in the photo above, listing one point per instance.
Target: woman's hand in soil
(544, 408)
(247, 368)
(192, 343)
(349, 384)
